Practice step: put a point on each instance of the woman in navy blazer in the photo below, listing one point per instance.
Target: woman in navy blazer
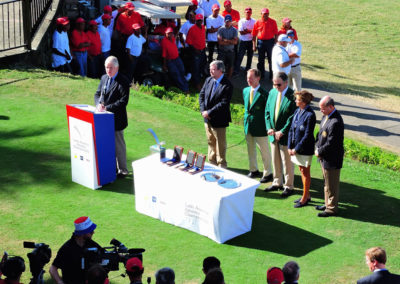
(301, 142)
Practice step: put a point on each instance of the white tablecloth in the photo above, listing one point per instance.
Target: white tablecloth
(179, 198)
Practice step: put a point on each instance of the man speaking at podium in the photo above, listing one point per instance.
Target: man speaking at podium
(112, 95)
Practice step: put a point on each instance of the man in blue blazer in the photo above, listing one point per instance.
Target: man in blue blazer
(376, 261)
(214, 99)
(255, 100)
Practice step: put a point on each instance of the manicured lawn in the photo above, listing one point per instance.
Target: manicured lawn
(39, 202)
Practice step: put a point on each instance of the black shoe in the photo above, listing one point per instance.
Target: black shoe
(122, 174)
(298, 200)
(320, 207)
(254, 174)
(326, 214)
(273, 187)
(267, 178)
(287, 192)
(298, 205)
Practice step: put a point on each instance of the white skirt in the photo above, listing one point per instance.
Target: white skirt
(302, 160)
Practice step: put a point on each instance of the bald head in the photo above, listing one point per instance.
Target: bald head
(327, 105)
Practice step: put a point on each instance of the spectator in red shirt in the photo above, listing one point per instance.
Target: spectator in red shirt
(196, 39)
(286, 26)
(234, 13)
(265, 32)
(79, 46)
(127, 19)
(172, 63)
(94, 50)
(162, 27)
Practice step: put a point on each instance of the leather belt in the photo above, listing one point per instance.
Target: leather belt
(295, 65)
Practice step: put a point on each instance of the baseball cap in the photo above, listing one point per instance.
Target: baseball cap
(274, 275)
(136, 26)
(79, 20)
(290, 33)
(194, 2)
(93, 23)
(199, 17)
(169, 30)
(284, 38)
(129, 6)
(63, 21)
(248, 9)
(228, 18)
(227, 2)
(132, 263)
(286, 20)
(84, 225)
(106, 17)
(215, 7)
(264, 11)
(107, 9)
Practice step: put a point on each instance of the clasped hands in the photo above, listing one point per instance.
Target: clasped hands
(277, 134)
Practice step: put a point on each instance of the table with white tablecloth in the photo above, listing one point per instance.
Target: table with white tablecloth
(188, 201)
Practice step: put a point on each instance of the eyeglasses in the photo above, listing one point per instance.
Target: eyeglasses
(277, 85)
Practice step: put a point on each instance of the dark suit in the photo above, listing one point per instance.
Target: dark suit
(380, 277)
(217, 104)
(330, 150)
(301, 133)
(255, 129)
(115, 99)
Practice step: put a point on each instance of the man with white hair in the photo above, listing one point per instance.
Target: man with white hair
(281, 62)
(113, 95)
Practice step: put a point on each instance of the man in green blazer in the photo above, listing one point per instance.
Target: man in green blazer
(278, 118)
(255, 100)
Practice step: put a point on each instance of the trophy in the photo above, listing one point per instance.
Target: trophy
(190, 160)
(198, 165)
(176, 158)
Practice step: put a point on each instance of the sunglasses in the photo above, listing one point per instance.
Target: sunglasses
(277, 85)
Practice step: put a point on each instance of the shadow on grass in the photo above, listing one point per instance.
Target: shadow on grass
(121, 185)
(292, 241)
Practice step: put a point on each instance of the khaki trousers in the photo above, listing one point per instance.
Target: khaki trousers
(120, 151)
(262, 143)
(216, 139)
(295, 78)
(281, 161)
(331, 189)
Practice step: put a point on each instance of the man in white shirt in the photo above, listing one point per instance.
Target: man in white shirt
(61, 54)
(134, 46)
(214, 22)
(108, 11)
(294, 50)
(207, 6)
(246, 25)
(105, 36)
(280, 57)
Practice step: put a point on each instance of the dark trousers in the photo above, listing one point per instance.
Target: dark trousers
(94, 66)
(265, 47)
(198, 65)
(177, 73)
(244, 46)
(138, 66)
(66, 68)
(211, 45)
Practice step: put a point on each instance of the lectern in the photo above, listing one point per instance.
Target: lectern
(92, 143)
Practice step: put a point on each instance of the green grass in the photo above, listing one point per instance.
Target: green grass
(39, 202)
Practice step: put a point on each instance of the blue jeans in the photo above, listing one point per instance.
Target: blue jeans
(81, 58)
(243, 47)
(265, 46)
(177, 73)
(199, 62)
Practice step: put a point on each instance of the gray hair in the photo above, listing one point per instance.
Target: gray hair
(281, 75)
(220, 65)
(291, 271)
(113, 60)
(165, 276)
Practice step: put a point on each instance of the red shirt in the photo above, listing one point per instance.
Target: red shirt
(196, 37)
(265, 30)
(283, 31)
(125, 22)
(160, 29)
(78, 37)
(235, 16)
(95, 43)
(169, 48)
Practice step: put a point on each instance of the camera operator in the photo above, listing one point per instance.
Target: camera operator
(71, 256)
(12, 269)
(134, 269)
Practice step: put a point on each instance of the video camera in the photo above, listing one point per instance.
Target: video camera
(38, 258)
(110, 257)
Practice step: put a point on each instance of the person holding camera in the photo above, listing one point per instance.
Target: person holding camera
(12, 268)
(71, 256)
(134, 269)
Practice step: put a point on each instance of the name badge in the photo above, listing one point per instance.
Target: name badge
(324, 134)
(301, 127)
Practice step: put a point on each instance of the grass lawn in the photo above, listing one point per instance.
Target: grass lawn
(39, 202)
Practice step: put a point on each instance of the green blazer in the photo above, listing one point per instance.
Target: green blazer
(254, 114)
(285, 115)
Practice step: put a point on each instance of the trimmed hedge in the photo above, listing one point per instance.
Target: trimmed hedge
(353, 149)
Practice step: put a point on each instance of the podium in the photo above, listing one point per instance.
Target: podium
(92, 142)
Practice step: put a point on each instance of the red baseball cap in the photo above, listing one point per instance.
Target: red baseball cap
(264, 11)
(93, 23)
(63, 21)
(227, 2)
(248, 9)
(286, 20)
(274, 275)
(136, 26)
(215, 7)
(169, 30)
(79, 20)
(107, 9)
(106, 17)
(199, 17)
(194, 2)
(132, 263)
(130, 6)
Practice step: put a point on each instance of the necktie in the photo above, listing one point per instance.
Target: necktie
(251, 96)
(278, 105)
(326, 119)
(108, 83)
(214, 87)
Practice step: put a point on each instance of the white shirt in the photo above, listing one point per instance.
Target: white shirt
(61, 43)
(199, 11)
(246, 24)
(215, 23)
(184, 30)
(105, 37)
(295, 47)
(135, 44)
(207, 6)
(99, 20)
(279, 56)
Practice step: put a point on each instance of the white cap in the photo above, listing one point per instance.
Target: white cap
(284, 38)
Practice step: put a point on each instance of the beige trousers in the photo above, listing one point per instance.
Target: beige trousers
(120, 151)
(216, 139)
(295, 78)
(281, 161)
(331, 189)
(262, 144)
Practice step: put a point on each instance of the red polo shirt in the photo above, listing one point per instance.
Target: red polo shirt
(265, 30)
(196, 37)
(95, 43)
(235, 16)
(169, 48)
(77, 38)
(125, 22)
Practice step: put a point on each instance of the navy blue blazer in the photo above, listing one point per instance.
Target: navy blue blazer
(380, 277)
(301, 132)
(218, 103)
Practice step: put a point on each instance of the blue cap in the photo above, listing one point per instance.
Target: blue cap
(228, 18)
